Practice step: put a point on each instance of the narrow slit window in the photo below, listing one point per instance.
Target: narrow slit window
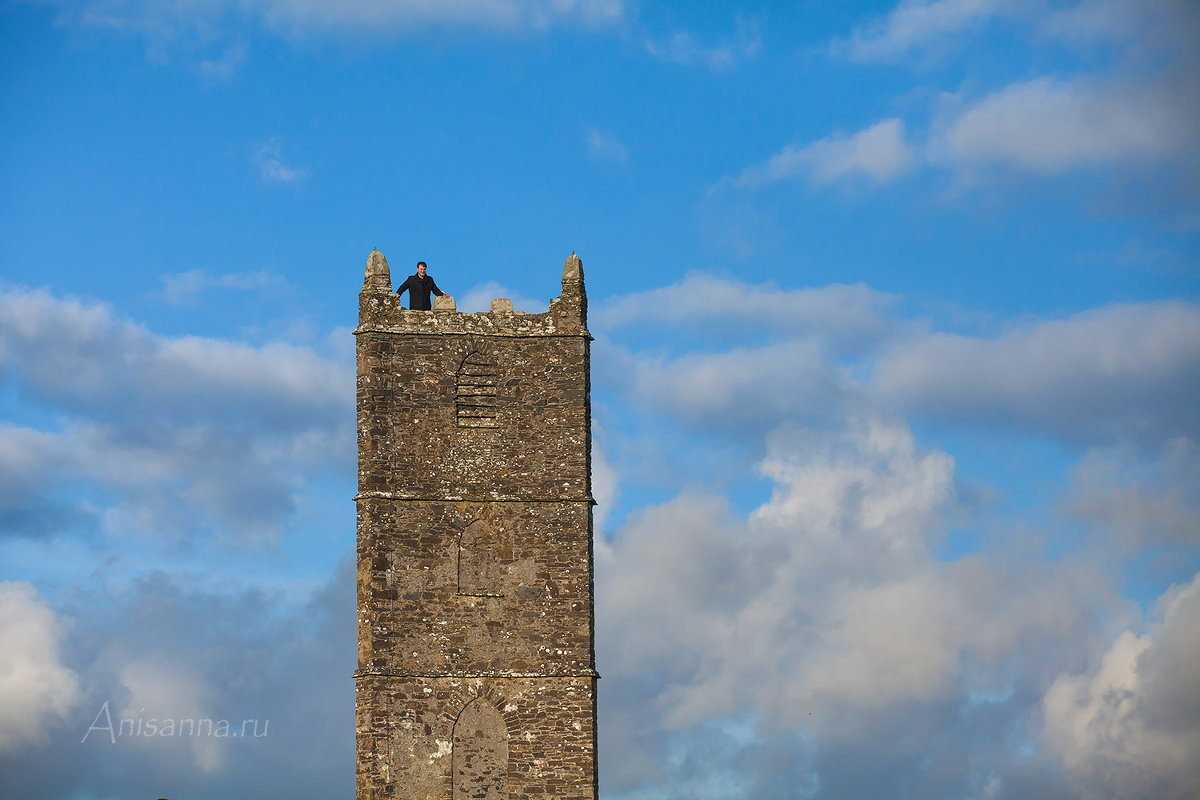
(475, 395)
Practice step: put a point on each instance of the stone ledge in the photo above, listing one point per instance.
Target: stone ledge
(395, 496)
(380, 673)
(365, 330)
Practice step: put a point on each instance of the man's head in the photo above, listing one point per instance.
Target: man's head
(421, 268)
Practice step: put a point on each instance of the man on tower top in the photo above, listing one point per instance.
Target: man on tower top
(419, 287)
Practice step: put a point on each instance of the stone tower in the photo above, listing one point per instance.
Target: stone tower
(476, 661)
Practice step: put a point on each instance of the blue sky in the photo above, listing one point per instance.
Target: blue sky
(895, 379)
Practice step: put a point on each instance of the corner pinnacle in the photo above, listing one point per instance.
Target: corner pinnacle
(378, 276)
(573, 269)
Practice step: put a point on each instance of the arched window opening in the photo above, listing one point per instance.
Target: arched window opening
(479, 753)
(479, 555)
(475, 393)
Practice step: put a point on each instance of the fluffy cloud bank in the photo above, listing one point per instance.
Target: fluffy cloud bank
(1122, 373)
(824, 620)
(1047, 126)
(155, 650)
(1136, 110)
(845, 620)
(37, 691)
(187, 433)
(840, 313)
(1130, 727)
(1118, 373)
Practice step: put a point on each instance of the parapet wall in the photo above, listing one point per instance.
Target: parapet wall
(381, 311)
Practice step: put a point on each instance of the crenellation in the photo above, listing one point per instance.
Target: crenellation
(380, 311)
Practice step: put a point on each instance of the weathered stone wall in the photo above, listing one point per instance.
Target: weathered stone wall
(415, 617)
(406, 735)
(411, 445)
(474, 549)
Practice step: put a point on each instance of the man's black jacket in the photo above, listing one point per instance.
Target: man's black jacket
(418, 291)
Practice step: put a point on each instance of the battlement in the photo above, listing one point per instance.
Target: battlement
(381, 311)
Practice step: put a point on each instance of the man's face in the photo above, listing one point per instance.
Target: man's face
(421, 270)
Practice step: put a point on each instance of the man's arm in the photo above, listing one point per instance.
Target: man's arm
(403, 286)
(436, 290)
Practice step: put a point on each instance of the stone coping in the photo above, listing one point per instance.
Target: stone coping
(496, 498)
(385, 313)
(384, 673)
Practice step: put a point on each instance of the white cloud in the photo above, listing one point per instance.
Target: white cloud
(188, 430)
(1140, 503)
(1162, 26)
(605, 485)
(604, 148)
(839, 313)
(1117, 374)
(206, 20)
(826, 600)
(830, 614)
(159, 648)
(162, 689)
(740, 389)
(737, 387)
(185, 288)
(162, 483)
(914, 23)
(271, 166)
(1131, 726)
(879, 153)
(81, 355)
(156, 20)
(682, 48)
(816, 474)
(1122, 373)
(1048, 126)
(1152, 28)
(221, 67)
(37, 690)
(368, 14)
(1138, 109)
(27, 457)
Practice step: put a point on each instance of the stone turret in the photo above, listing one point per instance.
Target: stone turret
(571, 306)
